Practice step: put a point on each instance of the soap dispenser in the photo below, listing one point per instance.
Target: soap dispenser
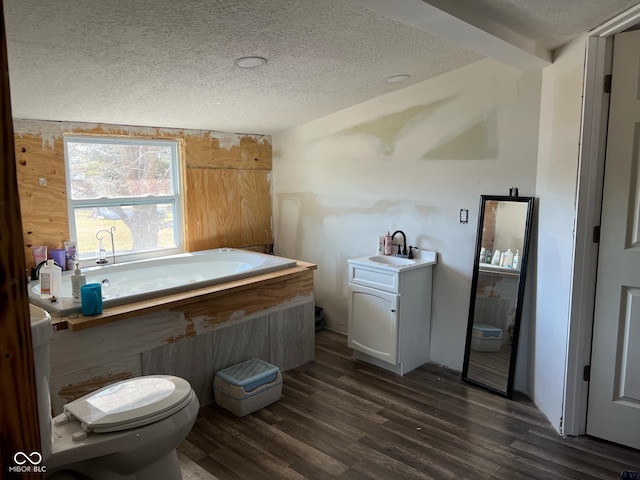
(77, 280)
(388, 244)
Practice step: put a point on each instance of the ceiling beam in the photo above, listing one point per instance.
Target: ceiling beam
(444, 19)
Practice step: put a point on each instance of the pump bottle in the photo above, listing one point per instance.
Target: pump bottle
(388, 246)
(77, 280)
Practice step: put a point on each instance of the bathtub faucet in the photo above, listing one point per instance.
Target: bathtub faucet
(102, 253)
(35, 271)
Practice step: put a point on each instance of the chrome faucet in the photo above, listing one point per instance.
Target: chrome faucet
(402, 252)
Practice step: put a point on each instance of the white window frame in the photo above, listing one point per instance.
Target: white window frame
(175, 199)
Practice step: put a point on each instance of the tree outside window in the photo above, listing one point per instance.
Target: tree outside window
(128, 184)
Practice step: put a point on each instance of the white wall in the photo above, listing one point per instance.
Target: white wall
(408, 160)
(556, 187)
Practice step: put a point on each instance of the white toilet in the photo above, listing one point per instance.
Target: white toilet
(127, 430)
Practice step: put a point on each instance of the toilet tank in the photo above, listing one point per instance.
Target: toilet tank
(41, 333)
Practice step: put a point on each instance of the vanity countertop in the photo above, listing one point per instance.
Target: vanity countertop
(397, 264)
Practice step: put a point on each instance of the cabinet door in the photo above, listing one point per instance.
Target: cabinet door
(373, 322)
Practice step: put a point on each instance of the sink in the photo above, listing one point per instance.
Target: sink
(391, 260)
(396, 264)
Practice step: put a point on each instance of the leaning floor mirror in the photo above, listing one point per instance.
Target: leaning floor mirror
(497, 291)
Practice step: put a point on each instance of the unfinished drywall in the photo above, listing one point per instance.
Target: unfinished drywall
(226, 183)
(409, 160)
(558, 158)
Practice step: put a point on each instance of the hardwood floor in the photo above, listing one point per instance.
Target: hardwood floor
(340, 418)
(490, 368)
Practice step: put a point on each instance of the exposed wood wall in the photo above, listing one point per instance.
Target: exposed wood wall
(226, 183)
(19, 430)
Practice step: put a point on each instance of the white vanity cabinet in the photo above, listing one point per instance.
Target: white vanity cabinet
(373, 322)
(390, 310)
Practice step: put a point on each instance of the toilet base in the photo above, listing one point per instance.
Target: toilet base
(167, 467)
(149, 452)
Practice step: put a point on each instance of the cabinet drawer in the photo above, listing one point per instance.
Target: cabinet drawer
(382, 279)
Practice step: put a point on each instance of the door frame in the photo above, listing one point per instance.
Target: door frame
(595, 113)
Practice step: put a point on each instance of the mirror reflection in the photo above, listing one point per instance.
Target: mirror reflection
(497, 290)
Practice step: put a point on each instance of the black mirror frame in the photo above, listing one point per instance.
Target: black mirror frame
(520, 296)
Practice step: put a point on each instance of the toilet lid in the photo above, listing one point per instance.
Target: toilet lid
(130, 403)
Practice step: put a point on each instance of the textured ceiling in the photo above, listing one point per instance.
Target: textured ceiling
(550, 23)
(169, 63)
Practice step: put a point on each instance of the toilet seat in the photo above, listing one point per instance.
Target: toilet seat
(130, 403)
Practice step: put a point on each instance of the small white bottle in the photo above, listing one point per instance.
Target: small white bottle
(77, 280)
(50, 280)
(508, 261)
(496, 257)
(380, 245)
(516, 260)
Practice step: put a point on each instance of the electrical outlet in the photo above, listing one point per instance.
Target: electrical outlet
(464, 215)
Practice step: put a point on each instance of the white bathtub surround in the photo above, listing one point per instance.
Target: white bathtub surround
(190, 337)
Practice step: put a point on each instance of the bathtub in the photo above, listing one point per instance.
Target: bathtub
(129, 282)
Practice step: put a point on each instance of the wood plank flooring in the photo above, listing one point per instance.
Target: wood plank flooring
(490, 368)
(343, 419)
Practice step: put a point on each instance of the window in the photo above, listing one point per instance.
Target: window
(129, 184)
